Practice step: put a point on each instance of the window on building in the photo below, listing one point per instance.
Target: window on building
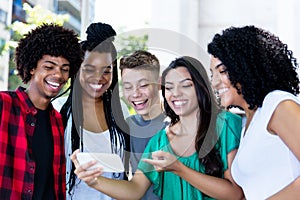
(18, 2)
(2, 43)
(3, 16)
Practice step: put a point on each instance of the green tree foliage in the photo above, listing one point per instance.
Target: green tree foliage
(131, 43)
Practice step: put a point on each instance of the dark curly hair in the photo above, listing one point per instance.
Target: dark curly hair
(100, 37)
(256, 60)
(140, 59)
(209, 110)
(47, 39)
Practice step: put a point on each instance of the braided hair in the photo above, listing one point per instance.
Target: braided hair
(100, 39)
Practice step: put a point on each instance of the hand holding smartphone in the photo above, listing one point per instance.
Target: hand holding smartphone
(109, 162)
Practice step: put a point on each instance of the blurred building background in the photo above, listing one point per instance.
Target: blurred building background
(78, 10)
(201, 19)
(197, 20)
(5, 20)
(80, 14)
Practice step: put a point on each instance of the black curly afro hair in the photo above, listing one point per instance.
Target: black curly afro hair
(47, 39)
(257, 60)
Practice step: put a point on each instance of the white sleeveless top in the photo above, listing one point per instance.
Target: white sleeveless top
(264, 164)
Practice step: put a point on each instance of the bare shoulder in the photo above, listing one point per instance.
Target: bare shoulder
(287, 107)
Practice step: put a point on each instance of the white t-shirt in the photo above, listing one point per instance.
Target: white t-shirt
(264, 164)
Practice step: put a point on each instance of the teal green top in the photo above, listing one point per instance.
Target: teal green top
(168, 185)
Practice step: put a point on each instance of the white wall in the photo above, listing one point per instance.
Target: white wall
(199, 20)
(180, 17)
(87, 16)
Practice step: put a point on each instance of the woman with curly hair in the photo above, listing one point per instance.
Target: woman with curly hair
(252, 69)
(92, 113)
(32, 164)
(189, 159)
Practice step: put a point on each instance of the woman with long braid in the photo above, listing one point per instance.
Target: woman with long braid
(88, 111)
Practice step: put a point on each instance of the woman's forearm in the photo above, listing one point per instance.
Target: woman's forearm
(218, 188)
(122, 189)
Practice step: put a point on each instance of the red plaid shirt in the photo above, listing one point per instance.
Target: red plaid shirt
(17, 167)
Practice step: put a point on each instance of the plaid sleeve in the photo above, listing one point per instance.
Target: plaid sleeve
(16, 167)
(59, 166)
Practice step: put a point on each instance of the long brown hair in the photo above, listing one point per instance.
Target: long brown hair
(208, 152)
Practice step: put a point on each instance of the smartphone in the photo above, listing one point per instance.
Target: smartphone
(108, 161)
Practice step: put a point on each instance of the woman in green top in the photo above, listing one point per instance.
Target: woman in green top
(191, 158)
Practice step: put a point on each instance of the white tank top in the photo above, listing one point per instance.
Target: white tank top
(264, 164)
(92, 142)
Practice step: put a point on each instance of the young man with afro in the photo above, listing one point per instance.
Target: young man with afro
(32, 164)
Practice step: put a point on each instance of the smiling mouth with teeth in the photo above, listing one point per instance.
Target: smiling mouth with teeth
(96, 86)
(53, 84)
(179, 103)
(136, 103)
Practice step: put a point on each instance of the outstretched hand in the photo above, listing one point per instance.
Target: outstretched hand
(163, 161)
(89, 176)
